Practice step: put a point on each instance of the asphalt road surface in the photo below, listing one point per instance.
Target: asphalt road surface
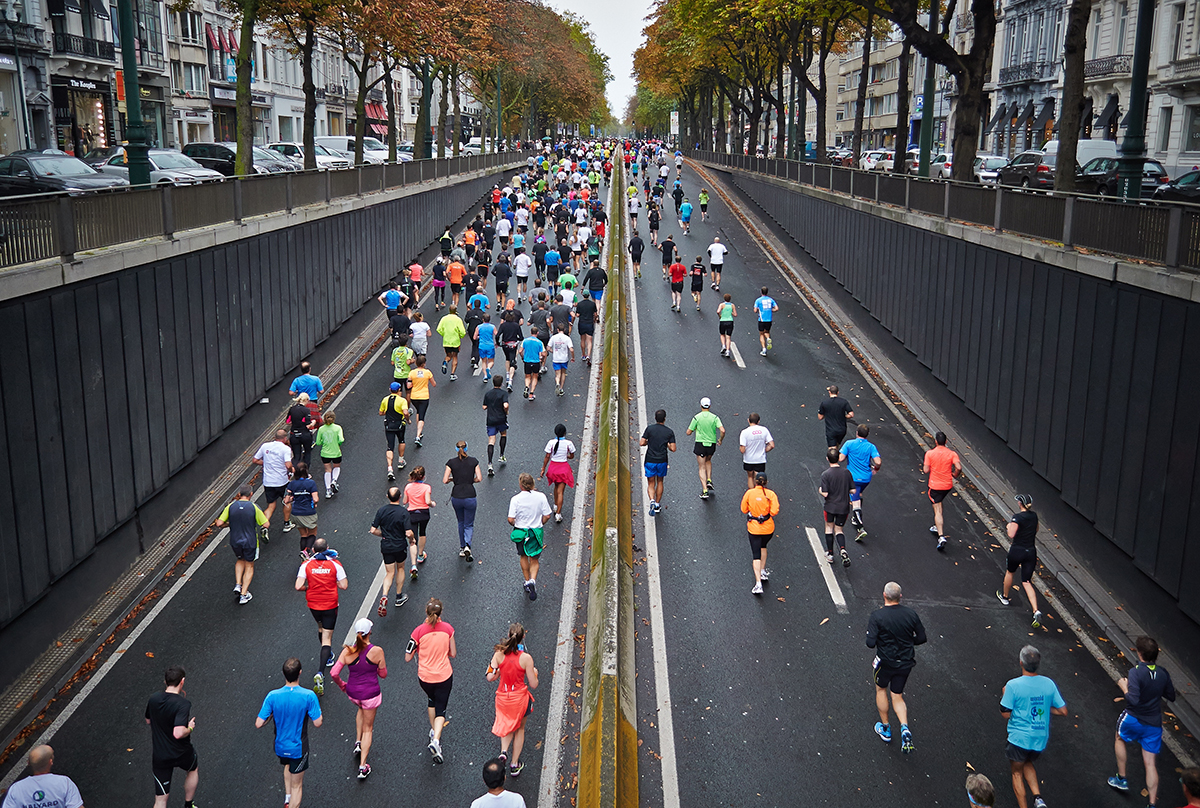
(773, 702)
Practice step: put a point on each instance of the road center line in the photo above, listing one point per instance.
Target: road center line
(737, 355)
(835, 589)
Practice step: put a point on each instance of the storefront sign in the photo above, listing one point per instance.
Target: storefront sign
(84, 84)
(7, 61)
(260, 99)
(224, 94)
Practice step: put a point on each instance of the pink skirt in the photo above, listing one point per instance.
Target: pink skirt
(558, 472)
(511, 708)
(371, 703)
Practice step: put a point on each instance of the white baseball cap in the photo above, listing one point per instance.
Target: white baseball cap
(363, 626)
(705, 402)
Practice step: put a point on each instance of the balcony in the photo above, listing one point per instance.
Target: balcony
(1121, 65)
(149, 58)
(22, 34)
(1181, 76)
(1028, 72)
(82, 46)
(335, 91)
(375, 94)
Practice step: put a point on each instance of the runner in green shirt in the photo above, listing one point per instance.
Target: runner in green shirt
(329, 440)
(452, 329)
(709, 433)
(402, 359)
(703, 197)
(726, 311)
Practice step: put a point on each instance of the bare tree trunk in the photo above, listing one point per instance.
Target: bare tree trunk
(244, 161)
(456, 126)
(722, 133)
(310, 95)
(390, 90)
(901, 144)
(443, 108)
(1069, 121)
(864, 77)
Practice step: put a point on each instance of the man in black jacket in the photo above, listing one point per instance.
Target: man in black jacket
(893, 631)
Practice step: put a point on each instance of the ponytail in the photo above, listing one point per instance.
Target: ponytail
(462, 448)
(516, 634)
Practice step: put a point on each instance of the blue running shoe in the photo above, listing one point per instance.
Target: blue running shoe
(906, 744)
(883, 731)
(1118, 782)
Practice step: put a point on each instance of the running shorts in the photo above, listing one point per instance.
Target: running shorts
(333, 461)
(758, 543)
(560, 365)
(937, 495)
(838, 519)
(726, 328)
(496, 429)
(422, 406)
(295, 765)
(1023, 558)
(274, 492)
(163, 769)
(656, 469)
(438, 694)
(704, 449)
(716, 269)
(394, 436)
(834, 439)
(326, 618)
(243, 552)
(532, 368)
(587, 329)
(754, 466)
(677, 287)
(1133, 731)
(856, 490)
(891, 678)
(501, 288)
(306, 521)
(764, 326)
(451, 351)
(1019, 754)
(698, 283)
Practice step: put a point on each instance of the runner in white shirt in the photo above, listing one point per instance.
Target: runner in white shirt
(716, 259)
(562, 352)
(635, 205)
(581, 214)
(755, 442)
(275, 457)
(503, 230)
(521, 266)
(527, 512)
(420, 334)
(523, 218)
(556, 467)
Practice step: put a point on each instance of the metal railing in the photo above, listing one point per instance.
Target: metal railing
(83, 46)
(1165, 233)
(47, 226)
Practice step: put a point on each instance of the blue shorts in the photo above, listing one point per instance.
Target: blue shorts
(656, 470)
(1131, 730)
(496, 430)
(597, 296)
(561, 365)
(687, 219)
(487, 353)
(857, 489)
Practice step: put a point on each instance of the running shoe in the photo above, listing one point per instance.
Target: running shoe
(769, 343)
(906, 744)
(363, 771)
(515, 771)
(413, 573)
(509, 385)
(941, 545)
(417, 441)
(237, 588)
(697, 307)
(335, 486)
(533, 590)
(532, 396)
(328, 493)
(845, 558)
(288, 527)
(332, 659)
(400, 463)
(382, 610)
(304, 555)
(757, 589)
(704, 495)
(883, 731)
(503, 459)
(710, 486)
(491, 471)
(392, 474)
(525, 392)
(1038, 802)
(421, 558)
(1118, 782)
(244, 599)
(468, 554)
(319, 684)
(764, 575)
(560, 391)
(1001, 598)
(1037, 618)
(528, 587)
(558, 518)
(435, 749)
(763, 352)
(829, 557)
(357, 748)
(453, 377)
(264, 534)
(445, 367)
(860, 533)
(462, 553)
(503, 756)
(401, 599)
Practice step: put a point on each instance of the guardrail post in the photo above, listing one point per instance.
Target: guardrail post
(67, 240)
(1174, 236)
(383, 175)
(946, 202)
(328, 186)
(878, 179)
(237, 199)
(358, 178)
(830, 186)
(907, 192)
(996, 223)
(168, 211)
(852, 173)
(289, 193)
(1068, 221)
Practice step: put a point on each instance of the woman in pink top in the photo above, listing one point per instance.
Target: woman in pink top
(512, 666)
(366, 665)
(418, 498)
(433, 643)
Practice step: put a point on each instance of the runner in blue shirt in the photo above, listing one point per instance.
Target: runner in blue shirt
(766, 308)
(290, 707)
(485, 335)
(478, 300)
(685, 216)
(862, 459)
(532, 353)
(553, 258)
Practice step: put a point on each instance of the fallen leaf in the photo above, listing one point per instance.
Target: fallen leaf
(781, 600)
(150, 654)
(823, 622)
(969, 766)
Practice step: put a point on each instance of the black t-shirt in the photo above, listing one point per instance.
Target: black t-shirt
(596, 279)
(835, 409)
(510, 332)
(502, 272)
(167, 711)
(483, 256)
(392, 521)
(893, 631)
(471, 282)
(668, 250)
(600, 215)
(298, 417)
(654, 218)
(473, 320)
(462, 472)
(561, 314)
(636, 247)
(657, 437)
(494, 400)
(393, 420)
(489, 234)
(539, 250)
(836, 483)
(698, 271)
(585, 310)
(1027, 527)
(399, 323)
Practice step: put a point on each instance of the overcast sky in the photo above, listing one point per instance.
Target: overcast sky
(617, 25)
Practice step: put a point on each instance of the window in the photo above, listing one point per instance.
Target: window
(1191, 139)
(1096, 20)
(193, 79)
(1177, 33)
(1122, 25)
(414, 109)
(1164, 128)
(216, 65)
(189, 26)
(176, 75)
(266, 56)
(1037, 45)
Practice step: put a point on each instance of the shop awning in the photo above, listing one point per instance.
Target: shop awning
(996, 119)
(376, 112)
(212, 38)
(1085, 119)
(1025, 115)
(379, 128)
(1045, 115)
(59, 8)
(99, 9)
(1109, 111)
(221, 36)
(234, 44)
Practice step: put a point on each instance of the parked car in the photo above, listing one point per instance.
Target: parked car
(1184, 188)
(167, 167)
(325, 157)
(273, 162)
(1030, 169)
(987, 168)
(1086, 149)
(885, 162)
(868, 159)
(221, 157)
(31, 172)
(940, 162)
(474, 146)
(1099, 176)
(374, 150)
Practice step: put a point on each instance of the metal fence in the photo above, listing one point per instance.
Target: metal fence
(1165, 233)
(36, 228)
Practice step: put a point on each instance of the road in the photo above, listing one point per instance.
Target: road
(785, 677)
(232, 654)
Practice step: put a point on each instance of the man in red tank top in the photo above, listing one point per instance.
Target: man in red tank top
(320, 578)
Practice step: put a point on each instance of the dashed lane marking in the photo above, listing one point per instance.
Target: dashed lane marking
(835, 589)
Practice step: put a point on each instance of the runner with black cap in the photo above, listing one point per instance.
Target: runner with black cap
(1022, 554)
(394, 409)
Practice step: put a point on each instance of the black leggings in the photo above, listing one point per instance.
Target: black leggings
(439, 294)
(439, 695)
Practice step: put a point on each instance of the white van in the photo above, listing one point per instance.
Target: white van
(374, 151)
(1088, 149)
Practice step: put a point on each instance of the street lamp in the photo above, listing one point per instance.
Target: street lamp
(136, 152)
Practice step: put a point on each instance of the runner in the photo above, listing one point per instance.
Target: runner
(171, 727)
(419, 381)
(710, 432)
(726, 311)
(754, 443)
(418, 498)
(320, 578)
(528, 511)
(716, 257)
(521, 266)
(587, 314)
(275, 457)
(391, 299)
(677, 272)
(329, 440)
(766, 308)
(291, 707)
(834, 411)
(685, 216)
(636, 248)
(658, 438)
(893, 631)
(439, 283)
(40, 788)
(556, 467)
(301, 422)
(761, 506)
(433, 643)
(396, 543)
(1147, 684)
(413, 275)
(942, 465)
(510, 336)
(635, 205)
(1027, 702)
(300, 502)
(420, 336)
(553, 262)
(517, 674)
(485, 337)
(836, 483)
(562, 353)
(702, 197)
(697, 271)
(244, 519)
(365, 665)
(1022, 554)
(394, 410)
(306, 382)
(463, 471)
(669, 256)
(452, 330)
(532, 353)
(653, 219)
(495, 407)
(863, 460)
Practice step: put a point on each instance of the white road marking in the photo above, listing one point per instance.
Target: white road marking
(835, 589)
(662, 682)
(564, 654)
(737, 355)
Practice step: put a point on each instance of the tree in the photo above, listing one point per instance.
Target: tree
(1070, 121)
(296, 21)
